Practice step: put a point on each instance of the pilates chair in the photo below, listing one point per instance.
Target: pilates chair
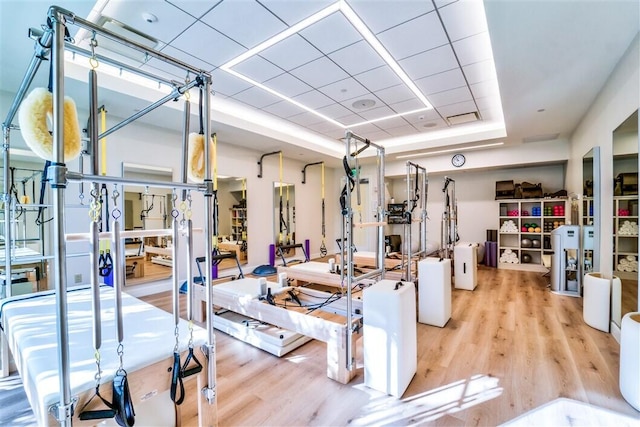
(286, 248)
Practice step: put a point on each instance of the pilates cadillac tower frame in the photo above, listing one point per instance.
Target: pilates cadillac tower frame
(52, 42)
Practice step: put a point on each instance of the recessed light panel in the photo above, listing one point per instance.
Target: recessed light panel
(352, 18)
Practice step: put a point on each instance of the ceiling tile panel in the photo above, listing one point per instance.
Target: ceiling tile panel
(431, 62)
(356, 104)
(366, 130)
(331, 33)
(182, 56)
(320, 72)
(256, 97)
(292, 12)
(337, 134)
(408, 105)
(305, 119)
(162, 69)
(351, 119)
(443, 3)
(463, 19)
(391, 123)
(379, 78)
(323, 127)
(314, 99)
(258, 69)
(283, 109)
(435, 124)
(488, 102)
(376, 113)
(480, 71)
(207, 44)
(258, 24)
(195, 8)
(473, 49)
(377, 135)
(413, 37)
(486, 88)
(228, 84)
(452, 96)
(401, 130)
(419, 119)
(440, 82)
(171, 20)
(344, 89)
(334, 111)
(381, 15)
(395, 94)
(292, 52)
(455, 109)
(287, 85)
(357, 58)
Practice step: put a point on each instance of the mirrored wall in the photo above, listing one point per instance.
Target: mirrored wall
(625, 216)
(147, 258)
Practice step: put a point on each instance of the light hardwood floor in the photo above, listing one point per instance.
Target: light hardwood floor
(510, 346)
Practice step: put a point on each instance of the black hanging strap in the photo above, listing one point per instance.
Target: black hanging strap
(122, 403)
(97, 414)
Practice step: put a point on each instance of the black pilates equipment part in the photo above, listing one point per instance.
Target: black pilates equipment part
(285, 248)
(216, 259)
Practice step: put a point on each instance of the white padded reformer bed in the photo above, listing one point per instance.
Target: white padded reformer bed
(29, 325)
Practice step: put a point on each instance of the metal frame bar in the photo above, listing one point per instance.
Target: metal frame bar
(60, 18)
(421, 172)
(261, 158)
(304, 170)
(347, 227)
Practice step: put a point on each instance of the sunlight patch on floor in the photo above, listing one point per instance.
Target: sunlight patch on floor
(430, 405)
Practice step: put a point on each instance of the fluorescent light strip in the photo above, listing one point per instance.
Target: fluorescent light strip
(450, 150)
(364, 31)
(283, 35)
(388, 117)
(286, 98)
(377, 46)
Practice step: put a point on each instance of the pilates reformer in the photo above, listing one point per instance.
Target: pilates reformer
(325, 322)
(63, 143)
(282, 250)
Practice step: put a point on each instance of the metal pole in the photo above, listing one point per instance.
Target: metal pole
(185, 145)
(8, 209)
(423, 213)
(88, 25)
(5, 291)
(106, 60)
(381, 210)
(94, 240)
(76, 176)
(58, 184)
(349, 244)
(210, 390)
(41, 49)
(173, 95)
(408, 225)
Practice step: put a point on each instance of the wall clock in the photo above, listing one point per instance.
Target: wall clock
(458, 160)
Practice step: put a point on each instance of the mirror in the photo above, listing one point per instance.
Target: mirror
(148, 258)
(232, 218)
(284, 217)
(591, 208)
(625, 217)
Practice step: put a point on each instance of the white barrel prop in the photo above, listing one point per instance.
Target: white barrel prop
(434, 291)
(630, 359)
(596, 302)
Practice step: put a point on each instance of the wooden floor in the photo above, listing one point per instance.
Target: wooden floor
(510, 346)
